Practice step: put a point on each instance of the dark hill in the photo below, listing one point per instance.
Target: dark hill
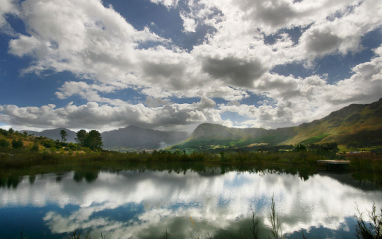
(55, 134)
(133, 137)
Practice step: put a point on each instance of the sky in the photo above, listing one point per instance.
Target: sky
(174, 64)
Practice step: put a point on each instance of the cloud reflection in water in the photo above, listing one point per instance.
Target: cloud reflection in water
(142, 205)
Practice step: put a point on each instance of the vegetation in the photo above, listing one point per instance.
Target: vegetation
(277, 232)
(22, 150)
(63, 135)
(315, 139)
(92, 140)
(365, 162)
(371, 229)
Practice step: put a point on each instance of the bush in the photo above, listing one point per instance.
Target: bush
(4, 132)
(17, 144)
(4, 143)
(35, 147)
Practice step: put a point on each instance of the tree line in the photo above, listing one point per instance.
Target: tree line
(91, 139)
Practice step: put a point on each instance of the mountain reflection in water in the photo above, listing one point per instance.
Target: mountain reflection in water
(128, 204)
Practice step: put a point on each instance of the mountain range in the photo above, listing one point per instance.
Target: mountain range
(130, 138)
(136, 138)
(355, 124)
(359, 124)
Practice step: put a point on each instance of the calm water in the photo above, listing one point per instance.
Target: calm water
(128, 204)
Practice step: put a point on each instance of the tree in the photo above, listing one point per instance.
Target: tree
(16, 144)
(81, 137)
(299, 148)
(94, 140)
(63, 135)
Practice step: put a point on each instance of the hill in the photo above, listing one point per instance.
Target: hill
(55, 134)
(136, 138)
(355, 124)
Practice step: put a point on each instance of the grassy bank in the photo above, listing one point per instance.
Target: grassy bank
(365, 162)
(21, 158)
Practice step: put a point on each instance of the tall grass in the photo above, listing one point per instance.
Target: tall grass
(371, 229)
(365, 162)
(277, 232)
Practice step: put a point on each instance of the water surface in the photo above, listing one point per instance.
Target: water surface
(131, 204)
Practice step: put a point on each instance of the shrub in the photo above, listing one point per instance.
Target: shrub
(17, 144)
(35, 147)
(4, 143)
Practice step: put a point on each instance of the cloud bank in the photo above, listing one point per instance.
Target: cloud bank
(232, 64)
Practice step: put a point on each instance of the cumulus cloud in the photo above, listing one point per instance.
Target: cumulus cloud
(104, 116)
(8, 7)
(297, 100)
(154, 102)
(95, 42)
(107, 54)
(189, 24)
(234, 71)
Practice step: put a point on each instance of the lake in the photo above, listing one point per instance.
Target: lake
(184, 203)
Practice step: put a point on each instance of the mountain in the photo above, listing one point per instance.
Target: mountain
(354, 124)
(210, 136)
(55, 134)
(129, 138)
(136, 138)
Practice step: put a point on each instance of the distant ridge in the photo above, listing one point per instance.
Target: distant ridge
(125, 139)
(136, 138)
(55, 134)
(357, 123)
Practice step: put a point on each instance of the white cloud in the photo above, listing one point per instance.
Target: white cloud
(167, 3)
(104, 117)
(154, 102)
(8, 7)
(108, 55)
(189, 24)
(298, 100)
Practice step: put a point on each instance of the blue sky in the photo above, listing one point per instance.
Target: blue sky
(174, 64)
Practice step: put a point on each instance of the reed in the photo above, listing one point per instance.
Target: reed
(371, 229)
(275, 222)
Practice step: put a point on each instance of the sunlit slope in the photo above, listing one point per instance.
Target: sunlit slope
(360, 124)
(208, 136)
(354, 123)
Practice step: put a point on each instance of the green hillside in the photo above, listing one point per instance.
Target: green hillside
(355, 124)
(358, 124)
